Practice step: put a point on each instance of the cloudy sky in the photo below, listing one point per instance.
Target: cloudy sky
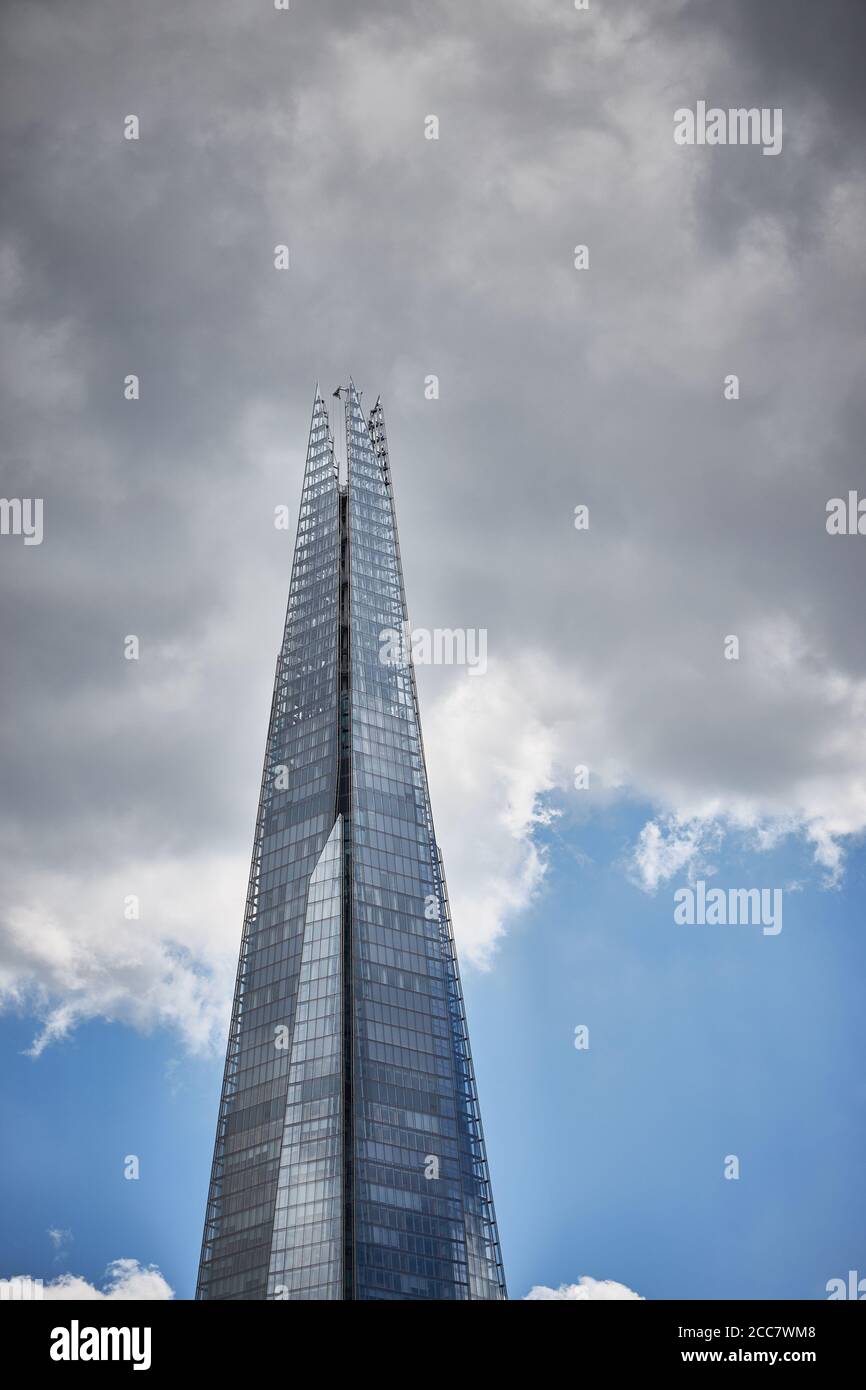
(558, 387)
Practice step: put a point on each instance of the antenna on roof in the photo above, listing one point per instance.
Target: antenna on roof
(340, 433)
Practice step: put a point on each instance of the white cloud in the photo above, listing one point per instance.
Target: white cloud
(586, 1288)
(125, 1280)
(490, 759)
(666, 846)
(497, 744)
(61, 1239)
(70, 955)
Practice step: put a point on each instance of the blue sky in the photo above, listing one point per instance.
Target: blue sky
(704, 1042)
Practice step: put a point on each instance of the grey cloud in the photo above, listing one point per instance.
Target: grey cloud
(409, 257)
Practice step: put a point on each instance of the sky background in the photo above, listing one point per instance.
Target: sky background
(558, 387)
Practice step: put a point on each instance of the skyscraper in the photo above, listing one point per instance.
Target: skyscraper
(349, 1160)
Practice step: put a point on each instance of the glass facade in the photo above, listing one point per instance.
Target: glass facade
(349, 1160)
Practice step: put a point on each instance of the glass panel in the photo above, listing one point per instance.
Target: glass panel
(295, 819)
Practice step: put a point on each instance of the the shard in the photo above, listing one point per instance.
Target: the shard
(349, 1160)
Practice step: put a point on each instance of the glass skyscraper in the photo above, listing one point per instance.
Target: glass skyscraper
(349, 1160)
